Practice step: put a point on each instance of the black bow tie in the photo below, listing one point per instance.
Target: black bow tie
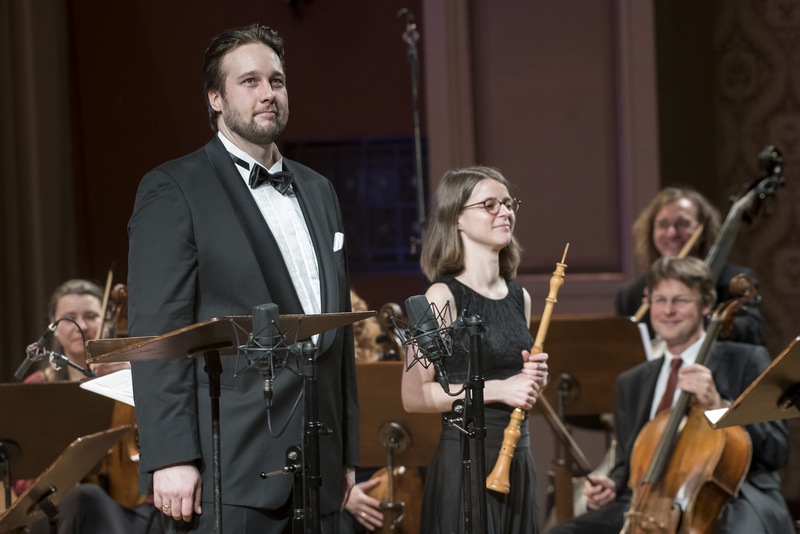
(281, 180)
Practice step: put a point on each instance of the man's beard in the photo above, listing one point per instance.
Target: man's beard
(251, 131)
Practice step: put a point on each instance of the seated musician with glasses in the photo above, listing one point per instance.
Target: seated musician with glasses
(662, 229)
(76, 309)
(681, 295)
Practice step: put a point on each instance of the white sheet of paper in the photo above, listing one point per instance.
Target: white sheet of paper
(117, 385)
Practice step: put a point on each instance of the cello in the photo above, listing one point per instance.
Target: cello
(683, 472)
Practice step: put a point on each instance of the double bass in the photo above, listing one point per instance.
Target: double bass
(686, 461)
(683, 472)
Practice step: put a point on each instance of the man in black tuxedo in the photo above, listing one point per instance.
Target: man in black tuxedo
(662, 229)
(207, 240)
(681, 295)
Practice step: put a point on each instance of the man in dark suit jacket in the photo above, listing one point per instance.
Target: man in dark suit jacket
(204, 244)
(681, 294)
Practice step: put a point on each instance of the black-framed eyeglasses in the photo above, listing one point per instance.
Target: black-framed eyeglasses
(492, 205)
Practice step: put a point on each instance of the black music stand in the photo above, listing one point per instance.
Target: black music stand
(209, 338)
(62, 408)
(774, 395)
(59, 478)
(217, 333)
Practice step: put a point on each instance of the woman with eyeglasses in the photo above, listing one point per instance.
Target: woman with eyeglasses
(661, 230)
(76, 311)
(470, 255)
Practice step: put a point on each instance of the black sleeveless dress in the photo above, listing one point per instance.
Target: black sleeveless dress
(506, 336)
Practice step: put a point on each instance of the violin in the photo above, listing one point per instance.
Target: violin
(121, 465)
(683, 472)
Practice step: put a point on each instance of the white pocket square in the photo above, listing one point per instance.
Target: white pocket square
(338, 241)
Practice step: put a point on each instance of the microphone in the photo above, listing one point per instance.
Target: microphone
(35, 352)
(425, 330)
(411, 35)
(266, 336)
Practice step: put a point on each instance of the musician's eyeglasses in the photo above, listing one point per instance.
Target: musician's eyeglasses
(681, 301)
(492, 205)
(680, 225)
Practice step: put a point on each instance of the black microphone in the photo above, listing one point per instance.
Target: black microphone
(35, 352)
(424, 327)
(266, 336)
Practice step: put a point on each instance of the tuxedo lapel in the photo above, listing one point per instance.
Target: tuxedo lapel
(273, 271)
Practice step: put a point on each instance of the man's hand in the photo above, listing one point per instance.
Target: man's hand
(364, 508)
(698, 380)
(599, 490)
(177, 490)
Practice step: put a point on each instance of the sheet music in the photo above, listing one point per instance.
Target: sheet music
(117, 385)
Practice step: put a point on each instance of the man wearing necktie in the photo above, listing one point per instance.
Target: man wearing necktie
(681, 295)
(214, 233)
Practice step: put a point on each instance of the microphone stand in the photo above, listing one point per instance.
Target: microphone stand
(311, 471)
(476, 386)
(304, 462)
(473, 426)
(411, 36)
(38, 355)
(60, 357)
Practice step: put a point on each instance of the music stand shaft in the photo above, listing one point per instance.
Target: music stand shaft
(213, 369)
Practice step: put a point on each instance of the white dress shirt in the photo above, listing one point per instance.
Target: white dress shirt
(287, 224)
(689, 356)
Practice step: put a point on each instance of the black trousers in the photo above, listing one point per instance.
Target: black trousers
(244, 520)
(88, 509)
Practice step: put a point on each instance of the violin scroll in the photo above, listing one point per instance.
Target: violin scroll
(389, 340)
(747, 295)
(118, 311)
